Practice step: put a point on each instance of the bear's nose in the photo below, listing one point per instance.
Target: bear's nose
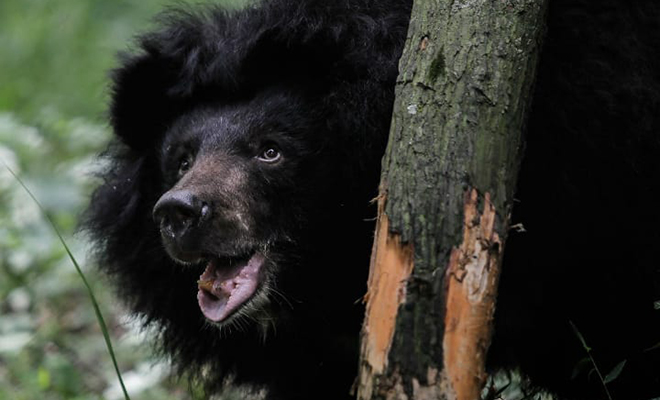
(178, 212)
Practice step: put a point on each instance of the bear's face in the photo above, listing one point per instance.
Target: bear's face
(232, 175)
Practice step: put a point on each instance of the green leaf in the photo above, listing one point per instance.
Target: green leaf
(615, 372)
(654, 347)
(579, 336)
(43, 378)
(580, 367)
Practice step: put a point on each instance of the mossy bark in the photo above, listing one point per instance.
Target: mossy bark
(446, 194)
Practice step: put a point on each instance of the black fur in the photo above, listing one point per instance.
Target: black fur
(202, 98)
(586, 197)
(315, 77)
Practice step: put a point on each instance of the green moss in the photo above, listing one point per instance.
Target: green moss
(437, 67)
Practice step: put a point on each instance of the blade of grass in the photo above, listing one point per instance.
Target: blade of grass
(593, 362)
(90, 292)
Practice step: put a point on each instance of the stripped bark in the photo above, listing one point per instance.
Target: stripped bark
(446, 193)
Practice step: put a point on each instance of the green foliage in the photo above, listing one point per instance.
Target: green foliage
(582, 364)
(54, 59)
(44, 378)
(57, 52)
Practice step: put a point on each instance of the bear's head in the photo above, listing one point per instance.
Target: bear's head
(235, 212)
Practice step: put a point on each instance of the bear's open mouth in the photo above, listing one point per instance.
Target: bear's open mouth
(227, 284)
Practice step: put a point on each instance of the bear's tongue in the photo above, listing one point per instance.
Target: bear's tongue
(224, 288)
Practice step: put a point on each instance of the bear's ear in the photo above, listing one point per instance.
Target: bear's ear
(155, 83)
(140, 107)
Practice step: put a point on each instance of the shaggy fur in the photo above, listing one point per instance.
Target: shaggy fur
(587, 197)
(197, 106)
(316, 78)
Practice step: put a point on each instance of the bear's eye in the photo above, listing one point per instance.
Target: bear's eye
(270, 155)
(185, 163)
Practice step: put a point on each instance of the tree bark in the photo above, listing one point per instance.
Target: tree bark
(446, 193)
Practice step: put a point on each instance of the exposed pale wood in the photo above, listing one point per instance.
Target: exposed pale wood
(472, 277)
(391, 265)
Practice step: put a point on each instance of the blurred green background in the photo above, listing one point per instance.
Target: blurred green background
(54, 62)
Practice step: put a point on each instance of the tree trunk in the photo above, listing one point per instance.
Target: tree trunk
(446, 194)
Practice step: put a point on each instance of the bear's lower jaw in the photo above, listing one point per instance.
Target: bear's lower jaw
(224, 289)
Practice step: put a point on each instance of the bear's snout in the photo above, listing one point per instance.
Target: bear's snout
(178, 212)
(178, 215)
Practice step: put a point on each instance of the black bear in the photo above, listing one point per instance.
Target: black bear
(236, 213)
